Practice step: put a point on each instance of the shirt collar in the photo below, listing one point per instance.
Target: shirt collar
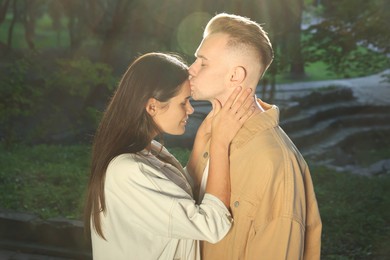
(259, 122)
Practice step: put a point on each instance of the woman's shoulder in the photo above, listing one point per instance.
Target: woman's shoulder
(124, 160)
(123, 164)
(138, 165)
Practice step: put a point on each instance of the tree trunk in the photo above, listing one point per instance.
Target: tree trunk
(3, 10)
(113, 33)
(11, 26)
(29, 25)
(297, 66)
(294, 39)
(74, 11)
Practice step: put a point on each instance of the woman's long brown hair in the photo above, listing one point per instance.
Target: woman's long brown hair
(126, 127)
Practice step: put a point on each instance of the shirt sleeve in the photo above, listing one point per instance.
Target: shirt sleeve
(138, 195)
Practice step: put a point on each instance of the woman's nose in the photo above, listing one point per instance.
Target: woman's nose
(190, 109)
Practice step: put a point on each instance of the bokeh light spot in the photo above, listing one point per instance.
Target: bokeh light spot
(190, 30)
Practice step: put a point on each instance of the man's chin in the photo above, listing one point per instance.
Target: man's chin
(194, 97)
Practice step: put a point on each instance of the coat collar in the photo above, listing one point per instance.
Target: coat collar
(257, 123)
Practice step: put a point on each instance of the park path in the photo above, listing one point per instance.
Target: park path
(373, 89)
(325, 126)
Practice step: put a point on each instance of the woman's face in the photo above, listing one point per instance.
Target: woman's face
(172, 116)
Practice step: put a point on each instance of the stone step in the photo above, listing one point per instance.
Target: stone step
(26, 232)
(342, 156)
(340, 124)
(307, 119)
(318, 145)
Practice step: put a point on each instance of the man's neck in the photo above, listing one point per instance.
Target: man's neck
(258, 107)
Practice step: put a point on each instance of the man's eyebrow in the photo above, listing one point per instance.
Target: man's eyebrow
(201, 56)
(188, 97)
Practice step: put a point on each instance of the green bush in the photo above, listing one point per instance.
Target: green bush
(19, 94)
(40, 99)
(75, 84)
(79, 77)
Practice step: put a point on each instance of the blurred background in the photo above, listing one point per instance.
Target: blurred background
(61, 60)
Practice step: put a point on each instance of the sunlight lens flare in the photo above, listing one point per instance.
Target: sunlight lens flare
(190, 30)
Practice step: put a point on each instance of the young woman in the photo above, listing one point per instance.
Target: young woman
(140, 201)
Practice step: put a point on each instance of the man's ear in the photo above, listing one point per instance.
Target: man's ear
(151, 107)
(238, 75)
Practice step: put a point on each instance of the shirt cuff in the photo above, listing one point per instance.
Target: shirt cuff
(218, 205)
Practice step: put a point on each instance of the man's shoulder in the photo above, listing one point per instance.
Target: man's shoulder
(255, 137)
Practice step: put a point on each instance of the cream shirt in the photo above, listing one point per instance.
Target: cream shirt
(151, 213)
(273, 202)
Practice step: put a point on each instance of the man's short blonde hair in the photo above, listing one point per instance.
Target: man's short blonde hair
(243, 31)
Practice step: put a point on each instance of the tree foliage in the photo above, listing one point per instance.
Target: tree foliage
(351, 35)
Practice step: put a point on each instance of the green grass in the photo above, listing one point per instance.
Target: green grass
(318, 71)
(181, 155)
(50, 180)
(46, 180)
(315, 71)
(370, 147)
(370, 156)
(355, 214)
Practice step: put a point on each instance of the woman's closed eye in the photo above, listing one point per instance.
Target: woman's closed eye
(186, 101)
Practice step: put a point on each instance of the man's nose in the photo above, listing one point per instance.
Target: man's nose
(192, 71)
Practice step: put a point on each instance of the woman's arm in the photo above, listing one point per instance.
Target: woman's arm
(142, 197)
(201, 139)
(226, 122)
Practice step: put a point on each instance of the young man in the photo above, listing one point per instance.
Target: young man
(273, 202)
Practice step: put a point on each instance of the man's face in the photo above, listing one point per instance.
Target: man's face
(209, 74)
